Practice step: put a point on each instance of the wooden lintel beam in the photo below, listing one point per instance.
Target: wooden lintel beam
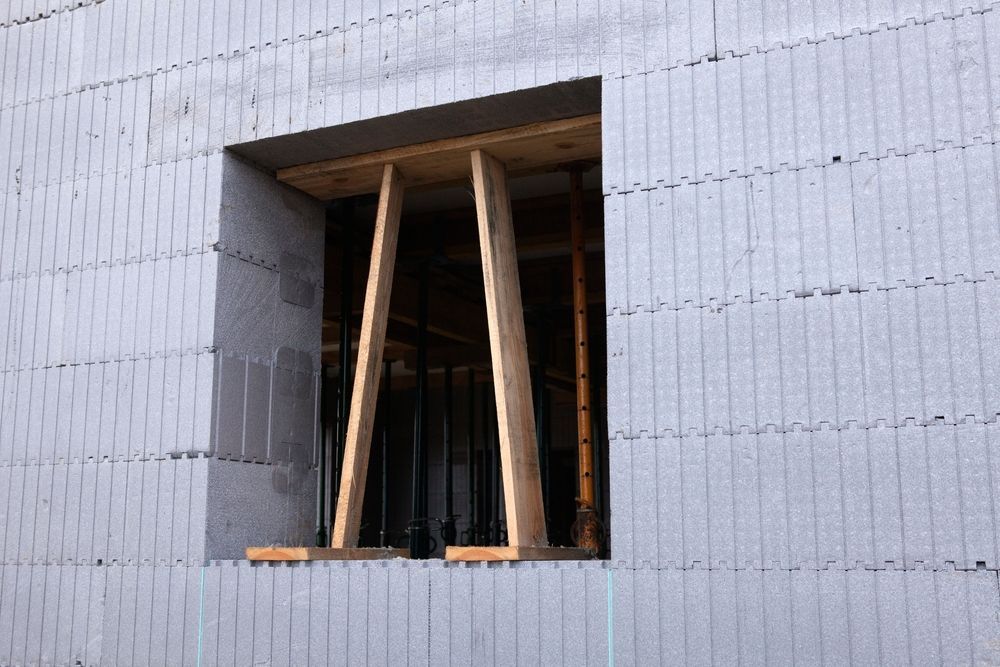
(526, 149)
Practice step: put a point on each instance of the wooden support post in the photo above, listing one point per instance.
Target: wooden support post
(362, 416)
(518, 452)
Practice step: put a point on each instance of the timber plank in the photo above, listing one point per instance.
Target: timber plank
(511, 382)
(516, 553)
(323, 553)
(525, 149)
(361, 420)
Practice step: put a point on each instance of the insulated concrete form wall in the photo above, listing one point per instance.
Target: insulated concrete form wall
(801, 238)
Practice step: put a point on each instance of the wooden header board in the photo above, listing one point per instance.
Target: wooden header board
(533, 148)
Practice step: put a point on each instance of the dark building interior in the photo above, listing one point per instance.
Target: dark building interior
(451, 416)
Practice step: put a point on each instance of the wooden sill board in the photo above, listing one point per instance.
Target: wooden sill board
(516, 553)
(532, 148)
(323, 553)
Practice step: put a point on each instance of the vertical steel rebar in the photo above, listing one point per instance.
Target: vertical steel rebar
(448, 523)
(383, 533)
(541, 409)
(471, 467)
(419, 534)
(325, 471)
(346, 317)
(485, 490)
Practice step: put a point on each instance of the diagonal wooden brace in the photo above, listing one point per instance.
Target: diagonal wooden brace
(347, 522)
(522, 485)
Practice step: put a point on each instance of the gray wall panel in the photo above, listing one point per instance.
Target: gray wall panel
(692, 616)
(885, 498)
(800, 242)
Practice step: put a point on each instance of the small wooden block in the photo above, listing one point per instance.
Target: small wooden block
(323, 553)
(516, 553)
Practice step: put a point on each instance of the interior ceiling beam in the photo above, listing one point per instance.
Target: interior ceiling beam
(527, 149)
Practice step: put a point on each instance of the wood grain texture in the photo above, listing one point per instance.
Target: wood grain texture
(515, 414)
(536, 147)
(357, 446)
(322, 553)
(516, 553)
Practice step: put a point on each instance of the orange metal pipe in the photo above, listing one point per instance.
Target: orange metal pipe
(586, 529)
(586, 448)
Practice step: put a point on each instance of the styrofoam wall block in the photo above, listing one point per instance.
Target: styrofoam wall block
(254, 316)
(51, 614)
(268, 319)
(876, 357)
(285, 615)
(745, 25)
(30, 11)
(99, 131)
(885, 498)
(447, 612)
(909, 220)
(811, 617)
(152, 615)
(155, 406)
(139, 511)
(246, 311)
(927, 216)
(262, 220)
(656, 35)
(122, 311)
(412, 72)
(112, 218)
(621, 535)
(372, 69)
(257, 505)
(267, 410)
(140, 38)
(813, 104)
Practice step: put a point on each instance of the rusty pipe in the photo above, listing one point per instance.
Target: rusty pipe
(586, 529)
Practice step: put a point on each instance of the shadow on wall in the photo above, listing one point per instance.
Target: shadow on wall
(268, 319)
